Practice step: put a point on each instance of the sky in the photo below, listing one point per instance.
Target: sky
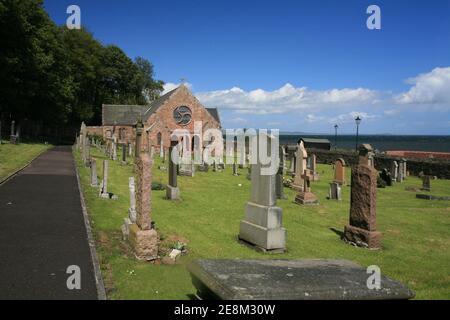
(300, 66)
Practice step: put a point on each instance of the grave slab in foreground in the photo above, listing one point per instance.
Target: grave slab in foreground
(289, 280)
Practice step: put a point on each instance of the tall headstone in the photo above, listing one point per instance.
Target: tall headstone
(161, 151)
(426, 183)
(300, 167)
(94, 179)
(143, 237)
(114, 148)
(305, 196)
(104, 187)
(401, 170)
(235, 171)
(292, 164)
(132, 209)
(172, 190)
(335, 192)
(262, 223)
(279, 187)
(124, 153)
(313, 167)
(363, 215)
(405, 171)
(339, 171)
(394, 171)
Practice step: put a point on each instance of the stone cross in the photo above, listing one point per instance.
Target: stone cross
(104, 187)
(335, 191)
(300, 166)
(262, 223)
(172, 190)
(339, 171)
(94, 179)
(305, 196)
(363, 214)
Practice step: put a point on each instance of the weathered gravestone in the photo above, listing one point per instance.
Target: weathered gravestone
(394, 171)
(131, 218)
(313, 167)
(235, 171)
(262, 224)
(104, 186)
(335, 192)
(238, 279)
(94, 179)
(401, 170)
(300, 167)
(143, 237)
(426, 183)
(339, 171)
(279, 187)
(361, 230)
(305, 196)
(172, 190)
(124, 153)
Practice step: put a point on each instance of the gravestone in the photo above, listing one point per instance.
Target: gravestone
(94, 179)
(235, 172)
(313, 167)
(143, 237)
(394, 171)
(305, 196)
(405, 171)
(339, 171)
(238, 279)
(13, 137)
(279, 187)
(88, 153)
(131, 218)
(262, 224)
(124, 153)
(161, 151)
(335, 192)
(361, 230)
(401, 171)
(249, 173)
(130, 149)
(104, 186)
(426, 183)
(114, 148)
(385, 175)
(204, 167)
(300, 167)
(172, 190)
(292, 164)
(366, 154)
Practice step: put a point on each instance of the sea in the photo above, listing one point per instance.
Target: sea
(380, 142)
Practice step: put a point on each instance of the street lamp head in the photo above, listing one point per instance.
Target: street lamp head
(336, 126)
(358, 120)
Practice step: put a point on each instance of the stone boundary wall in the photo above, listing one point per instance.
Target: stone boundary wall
(433, 167)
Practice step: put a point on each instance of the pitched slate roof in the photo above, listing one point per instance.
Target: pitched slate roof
(129, 114)
(214, 113)
(125, 115)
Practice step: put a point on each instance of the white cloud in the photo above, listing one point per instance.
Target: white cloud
(239, 120)
(350, 117)
(432, 88)
(286, 99)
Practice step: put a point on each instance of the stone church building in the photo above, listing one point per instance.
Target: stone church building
(177, 109)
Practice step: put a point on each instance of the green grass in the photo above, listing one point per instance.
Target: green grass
(13, 157)
(416, 233)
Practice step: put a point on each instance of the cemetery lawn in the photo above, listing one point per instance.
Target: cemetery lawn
(14, 157)
(416, 233)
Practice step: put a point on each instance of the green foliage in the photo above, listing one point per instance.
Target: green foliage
(56, 76)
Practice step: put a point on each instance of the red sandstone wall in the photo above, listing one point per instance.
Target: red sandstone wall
(419, 154)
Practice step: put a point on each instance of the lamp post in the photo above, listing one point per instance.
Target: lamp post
(358, 121)
(335, 136)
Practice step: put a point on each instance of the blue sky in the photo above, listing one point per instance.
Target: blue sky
(292, 65)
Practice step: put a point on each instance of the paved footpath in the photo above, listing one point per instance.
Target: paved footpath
(42, 232)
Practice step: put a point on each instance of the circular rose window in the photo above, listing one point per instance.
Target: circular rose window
(182, 115)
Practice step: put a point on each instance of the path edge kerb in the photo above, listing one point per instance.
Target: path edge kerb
(101, 292)
(16, 172)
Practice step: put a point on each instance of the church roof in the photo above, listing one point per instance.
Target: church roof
(127, 115)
